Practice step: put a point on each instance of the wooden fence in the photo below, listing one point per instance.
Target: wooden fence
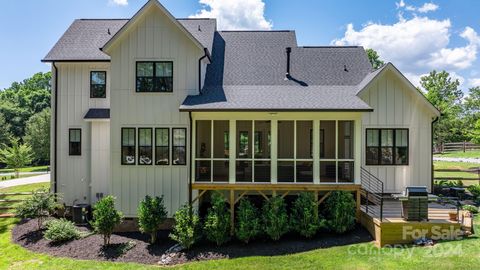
(467, 181)
(7, 203)
(457, 147)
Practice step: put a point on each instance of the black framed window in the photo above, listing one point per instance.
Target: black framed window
(179, 146)
(162, 145)
(128, 146)
(145, 146)
(387, 147)
(154, 76)
(98, 84)
(75, 142)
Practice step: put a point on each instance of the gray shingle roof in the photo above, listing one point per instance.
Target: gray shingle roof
(277, 98)
(84, 38)
(98, 114)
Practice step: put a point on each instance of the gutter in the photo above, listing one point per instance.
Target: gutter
(206, 55)
(55, 127)
(431, 153)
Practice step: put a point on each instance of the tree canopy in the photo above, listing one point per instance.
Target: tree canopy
(374, 58)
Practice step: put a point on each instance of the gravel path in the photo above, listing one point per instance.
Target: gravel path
(25, 181)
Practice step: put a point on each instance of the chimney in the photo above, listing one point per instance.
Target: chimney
(288, 50)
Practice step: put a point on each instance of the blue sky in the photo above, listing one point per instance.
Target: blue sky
(417, 36)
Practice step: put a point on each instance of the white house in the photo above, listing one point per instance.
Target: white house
(164, 106)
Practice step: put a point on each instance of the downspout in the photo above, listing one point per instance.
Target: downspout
(200, 70)
(55, 126)
(190, 162)
(432, 175)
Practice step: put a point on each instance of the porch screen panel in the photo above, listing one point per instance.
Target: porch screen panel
(261, 151)
(286, 151)
(244, 139)
(304, 147)
(327, 128)
(220, 145)
(203, 139)
(345, 139)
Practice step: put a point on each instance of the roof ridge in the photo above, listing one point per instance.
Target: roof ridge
(260, 31)
(193, 19)
(105, 19)
(328, 46)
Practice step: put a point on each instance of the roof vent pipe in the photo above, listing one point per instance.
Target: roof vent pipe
(288, 50)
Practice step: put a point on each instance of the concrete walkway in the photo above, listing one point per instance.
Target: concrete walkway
(452, 159)
(23, 173)
(25, 181)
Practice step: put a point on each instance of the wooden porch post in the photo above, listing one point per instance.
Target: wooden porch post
(232, 212)
(358, 203)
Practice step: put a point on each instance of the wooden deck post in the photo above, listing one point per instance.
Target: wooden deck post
(232, 212)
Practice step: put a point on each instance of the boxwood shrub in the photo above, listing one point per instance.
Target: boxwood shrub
(186, 230)
(248, 224)
(275, 217)
(304, 216)
(217, 221)
(61, 230)
(340, 211)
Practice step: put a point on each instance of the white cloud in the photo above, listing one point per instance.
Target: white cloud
(118, 2)
(235, 14)
(474, 82)
(416, 45)
(427, 7)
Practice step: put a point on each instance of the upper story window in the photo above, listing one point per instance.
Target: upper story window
(75, 142)
(98, 84)
(387, 147)
(154, 76)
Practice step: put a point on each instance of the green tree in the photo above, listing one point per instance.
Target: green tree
(374, 58)
(151, 214)
(471, 118)
(443, 92)
(5, 135)
(37, 135)
(16, 156)
(23, 99)
(105, 218)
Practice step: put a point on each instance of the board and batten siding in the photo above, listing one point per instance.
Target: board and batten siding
(396, 106)
(73, 172)
(153, 37)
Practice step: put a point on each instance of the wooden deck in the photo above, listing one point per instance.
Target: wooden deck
(393, 229)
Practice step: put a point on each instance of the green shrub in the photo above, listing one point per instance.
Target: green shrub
(105, 218)
(186, 230)
(217, 221)
(41, 205)
(248, 223)
(470, 208)
(304, 217)
(475, 190)
(275, 218)
(340, 211)
(151, 214)
(61, 230)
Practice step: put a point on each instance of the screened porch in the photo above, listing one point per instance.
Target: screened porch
(283, 148)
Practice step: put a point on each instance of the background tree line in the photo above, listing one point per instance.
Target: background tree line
(460, 120)
(25, 121)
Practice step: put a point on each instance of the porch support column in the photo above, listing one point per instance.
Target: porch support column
(232, 212)
(358, 149)
(316, 152)
(274, 151)
(232, 151)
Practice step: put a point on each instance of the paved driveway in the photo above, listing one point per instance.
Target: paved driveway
(25, 181)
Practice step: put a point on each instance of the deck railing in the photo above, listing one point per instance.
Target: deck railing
(372, 194)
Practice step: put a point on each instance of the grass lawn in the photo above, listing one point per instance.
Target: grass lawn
(461, 154)
(447, 255)
(28, 169)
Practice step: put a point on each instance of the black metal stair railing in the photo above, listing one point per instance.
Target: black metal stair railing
(372, 194)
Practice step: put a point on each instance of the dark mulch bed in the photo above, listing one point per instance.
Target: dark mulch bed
(90, 248)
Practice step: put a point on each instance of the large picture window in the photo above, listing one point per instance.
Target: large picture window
(128, 146)
(386, 147)
(145, 144)
(154, 76)
(179, 146)
(75, 142)
(162, 146)
(98, 84)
